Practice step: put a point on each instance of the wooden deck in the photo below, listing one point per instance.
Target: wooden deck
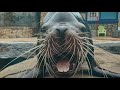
(108, 61)
(105, 39)
(95, 39)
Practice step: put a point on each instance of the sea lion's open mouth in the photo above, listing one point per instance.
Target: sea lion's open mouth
(64, 66)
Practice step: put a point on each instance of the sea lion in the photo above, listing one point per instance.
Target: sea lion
(67, 45)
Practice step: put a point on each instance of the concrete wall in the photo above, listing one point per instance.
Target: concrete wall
(17, 19)
(16, 32)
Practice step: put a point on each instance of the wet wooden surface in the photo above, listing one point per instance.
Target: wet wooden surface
(108, 61)
(95, 39)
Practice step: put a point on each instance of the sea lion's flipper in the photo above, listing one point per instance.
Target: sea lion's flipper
(98, 71)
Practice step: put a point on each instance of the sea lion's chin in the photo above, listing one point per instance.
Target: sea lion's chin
(64, 65)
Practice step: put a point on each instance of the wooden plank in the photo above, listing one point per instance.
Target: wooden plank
(108, 61)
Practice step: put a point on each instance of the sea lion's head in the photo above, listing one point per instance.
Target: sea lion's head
(65, 43)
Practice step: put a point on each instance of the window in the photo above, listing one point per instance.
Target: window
(93, 14)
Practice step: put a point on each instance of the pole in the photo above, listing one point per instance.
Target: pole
(38, 14)
(38, 17)
(97, 23)
(38, 27)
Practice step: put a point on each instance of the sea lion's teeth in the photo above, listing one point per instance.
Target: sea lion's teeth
(63, 69)
(66, 69)
(63, 66)
(60, 69)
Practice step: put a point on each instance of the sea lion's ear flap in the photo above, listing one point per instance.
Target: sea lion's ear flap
(84, 29)
(81, 25)
(43, 29)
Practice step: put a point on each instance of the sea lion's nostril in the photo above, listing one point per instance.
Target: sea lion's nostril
(61, 31)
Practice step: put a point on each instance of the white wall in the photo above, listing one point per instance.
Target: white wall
(92, 18)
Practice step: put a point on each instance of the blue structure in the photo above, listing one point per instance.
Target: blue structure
(109, 20)
(102, 17)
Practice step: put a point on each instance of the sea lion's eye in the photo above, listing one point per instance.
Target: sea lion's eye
(83, 29)
(43, 29)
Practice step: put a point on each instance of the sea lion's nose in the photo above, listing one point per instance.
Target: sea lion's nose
(61, 31)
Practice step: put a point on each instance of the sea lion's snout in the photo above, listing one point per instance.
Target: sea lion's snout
(61, 31)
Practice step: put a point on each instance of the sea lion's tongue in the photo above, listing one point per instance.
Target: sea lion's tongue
(63, 65)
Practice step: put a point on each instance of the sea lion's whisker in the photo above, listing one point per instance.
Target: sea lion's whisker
(84, 38)
(84, 54)
(19, 57)
(82, 71)
(66, 43)
(85, 57)
(85, 33)
(39, 65)
(89, 72)
(43, 59)
(69, 47)
(47, 51)
(50, 54)
(54, 49)
(41, 52)
(97, 62)
(55, 43)
(48, 70)
(52, 57)
(51, 70)
(89, 66)
(80, 62)
(107, 53)
(37, 72)
(105, 75)
(48, 64)
(32, 61)
(73, 50)
(33, 73)
(37, 60)
(33, 53)
(39, 55)
(77, 65)
(67, 52)
(44, 66)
